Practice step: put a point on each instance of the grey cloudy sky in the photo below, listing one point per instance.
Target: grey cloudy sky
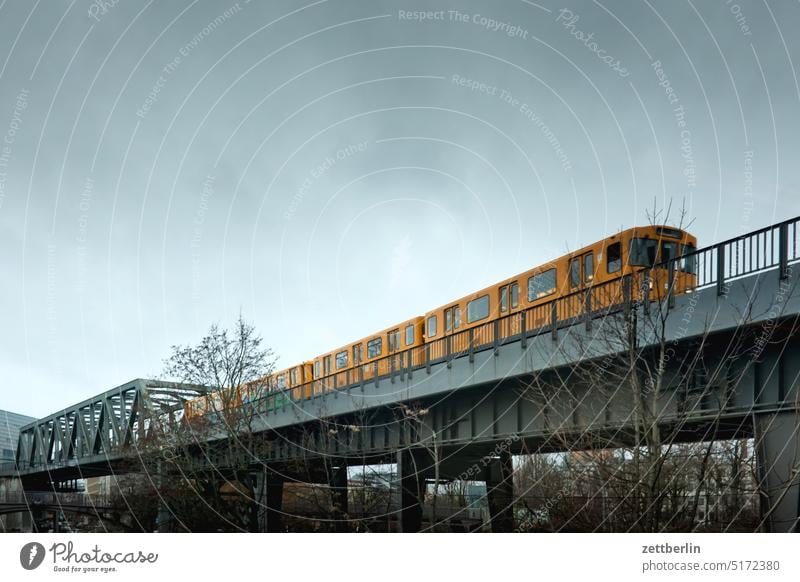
(329, 168)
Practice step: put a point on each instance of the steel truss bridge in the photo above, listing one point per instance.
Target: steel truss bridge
(92, 437)
(512, 386)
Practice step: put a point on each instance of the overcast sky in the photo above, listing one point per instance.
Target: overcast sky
(331, 168)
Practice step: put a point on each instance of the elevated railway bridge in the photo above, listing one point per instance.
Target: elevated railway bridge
(727, 365)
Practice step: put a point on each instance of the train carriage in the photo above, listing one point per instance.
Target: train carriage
(586, 275)
(296, 379)
(377, 354)
(589, 278)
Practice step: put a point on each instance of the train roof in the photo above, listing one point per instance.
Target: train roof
(414, 320)
(553, 262)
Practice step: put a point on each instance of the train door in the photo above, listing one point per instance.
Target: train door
(294, 382)
(308, 379)
(452, 324)
(393, 341)
(508, 302)
(574, 302)
(579, 279)
(358, 361)
(644, 252)
(317, 376)
(327, 383)
(669, 269)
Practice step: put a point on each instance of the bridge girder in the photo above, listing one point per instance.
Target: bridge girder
(97, 431)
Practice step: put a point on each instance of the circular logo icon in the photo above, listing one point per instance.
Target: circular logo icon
(31, 555)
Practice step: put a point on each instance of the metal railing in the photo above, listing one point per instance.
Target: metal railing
(772, 247)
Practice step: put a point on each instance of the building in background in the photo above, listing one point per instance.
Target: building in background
(10, 423)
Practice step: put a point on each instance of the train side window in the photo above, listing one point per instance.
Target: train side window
(281, 381)
(341, 360)
(358, 354)
(514, 295)
(504, 299)
(326, 365)
(316, 369)
(574, 273)
(293, 376)
(588, 267)
(614, 258)
(452, 318)
(478, 309)
(541, 285)
(409, 334)
(374, 347)
(432, 326)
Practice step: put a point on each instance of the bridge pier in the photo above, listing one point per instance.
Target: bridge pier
(499, 477)
(164, 515)
(269, 500)
(411, 476)
(337, 481)
(777, 440)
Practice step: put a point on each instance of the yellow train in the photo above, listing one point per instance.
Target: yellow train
(491, 314)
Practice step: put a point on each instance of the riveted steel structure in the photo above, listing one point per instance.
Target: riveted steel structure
(90, 437)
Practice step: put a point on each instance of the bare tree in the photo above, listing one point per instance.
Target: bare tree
(201, 463)
(629, 351)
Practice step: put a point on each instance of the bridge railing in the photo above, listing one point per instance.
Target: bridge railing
(774, 247)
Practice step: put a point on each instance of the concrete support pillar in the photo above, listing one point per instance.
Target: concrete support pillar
(412, 489)
(500, 492)
(269, 501)
(163, 518)
(164, 515)
(337, 481)
(777, 440)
